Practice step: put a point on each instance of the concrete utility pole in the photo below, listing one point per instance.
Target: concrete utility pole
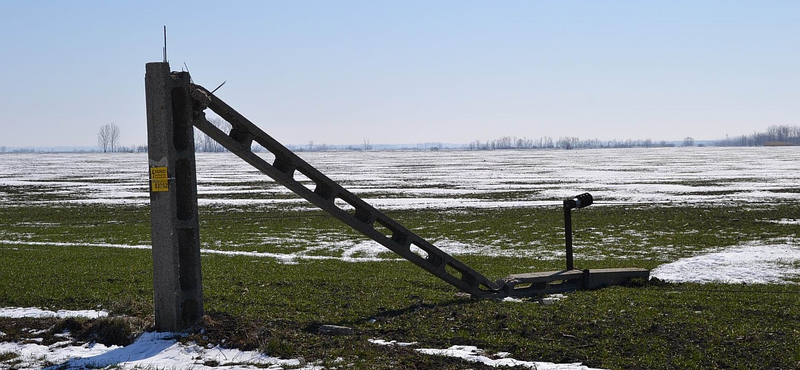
(175, 230)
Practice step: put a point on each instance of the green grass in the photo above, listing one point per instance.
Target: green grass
(258, 303)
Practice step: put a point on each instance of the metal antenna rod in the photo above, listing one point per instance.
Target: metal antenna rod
(165, 44)
(220, 85)
(187, 70)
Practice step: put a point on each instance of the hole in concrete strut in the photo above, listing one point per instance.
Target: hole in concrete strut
(324, 191)
(344, 205)
(182, 129)
(265, 155)
(189, 263)
(190, 311)
(382, 227)
(184, 189)
(416, 249)
(453, 271)
(305, 180)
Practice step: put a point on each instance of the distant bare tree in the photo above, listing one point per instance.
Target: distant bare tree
(688, 141)
(204, 143)
(108, 137)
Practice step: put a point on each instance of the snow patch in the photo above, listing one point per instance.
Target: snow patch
(162, 350)
(382, 342)
(151, 350)
(34, 356)
(785, 221)
(749, 264)
(38, 313)
(474, 354)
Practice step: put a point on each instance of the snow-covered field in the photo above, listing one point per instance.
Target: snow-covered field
(438, 180)
(413, 179)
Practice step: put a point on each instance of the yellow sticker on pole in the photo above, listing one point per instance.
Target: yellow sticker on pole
(159, 179)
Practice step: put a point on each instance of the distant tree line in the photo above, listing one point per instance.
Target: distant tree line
(774, 136)
(547, 142)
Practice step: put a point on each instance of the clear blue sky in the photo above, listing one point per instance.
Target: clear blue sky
(340, 72)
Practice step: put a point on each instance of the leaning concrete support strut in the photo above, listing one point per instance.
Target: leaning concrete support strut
(358, 214)
(325, 193)
(177, 280)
